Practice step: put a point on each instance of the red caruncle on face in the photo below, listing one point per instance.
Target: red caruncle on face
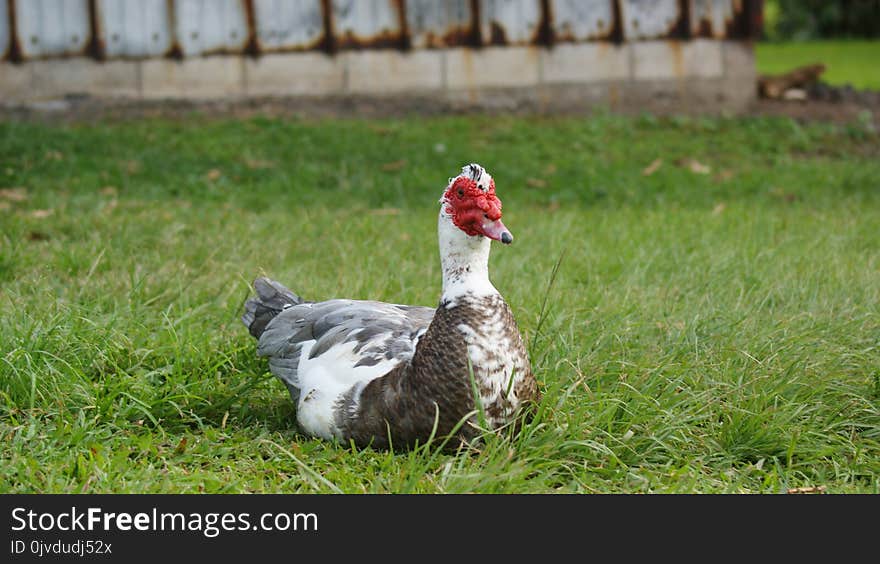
(470, 207)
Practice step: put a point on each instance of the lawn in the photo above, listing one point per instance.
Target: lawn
(847, 61)
(714, 325)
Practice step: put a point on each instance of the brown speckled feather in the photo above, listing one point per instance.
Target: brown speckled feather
(436, 386)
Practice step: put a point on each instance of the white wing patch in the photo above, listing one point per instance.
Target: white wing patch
(323, 381)
(322, 350)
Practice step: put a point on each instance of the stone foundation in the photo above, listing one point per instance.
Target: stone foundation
(710, 74)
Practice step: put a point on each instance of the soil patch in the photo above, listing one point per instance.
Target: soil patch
(822, 103)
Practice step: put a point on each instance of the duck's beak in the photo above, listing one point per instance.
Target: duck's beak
(495, 230)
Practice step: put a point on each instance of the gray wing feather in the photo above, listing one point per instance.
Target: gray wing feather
(271, 299)
(380, 331)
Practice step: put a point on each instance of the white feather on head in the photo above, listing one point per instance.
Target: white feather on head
(474, 172)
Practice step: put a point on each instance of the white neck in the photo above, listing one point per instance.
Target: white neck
(465, 262)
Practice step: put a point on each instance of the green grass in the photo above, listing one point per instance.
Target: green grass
(710, 332)
(847, 62)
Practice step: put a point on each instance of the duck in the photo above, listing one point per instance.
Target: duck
(391, 376)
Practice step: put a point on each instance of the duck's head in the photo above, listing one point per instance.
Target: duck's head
(471, 204)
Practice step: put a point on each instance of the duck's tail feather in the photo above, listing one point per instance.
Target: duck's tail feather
(272, 298)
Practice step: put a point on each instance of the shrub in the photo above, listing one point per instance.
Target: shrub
(815, 19)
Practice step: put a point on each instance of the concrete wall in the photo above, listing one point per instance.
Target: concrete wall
(706, 72)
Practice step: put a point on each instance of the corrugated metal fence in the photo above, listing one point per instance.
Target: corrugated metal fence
(141, 29)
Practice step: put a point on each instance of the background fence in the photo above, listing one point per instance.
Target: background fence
(146, 48)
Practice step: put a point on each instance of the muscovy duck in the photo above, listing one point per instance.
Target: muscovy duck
(388, 375)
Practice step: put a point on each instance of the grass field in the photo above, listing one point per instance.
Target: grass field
(714, 326)
(848, 62)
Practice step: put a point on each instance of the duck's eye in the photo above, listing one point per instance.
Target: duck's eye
(460, 193)
(485, 215)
